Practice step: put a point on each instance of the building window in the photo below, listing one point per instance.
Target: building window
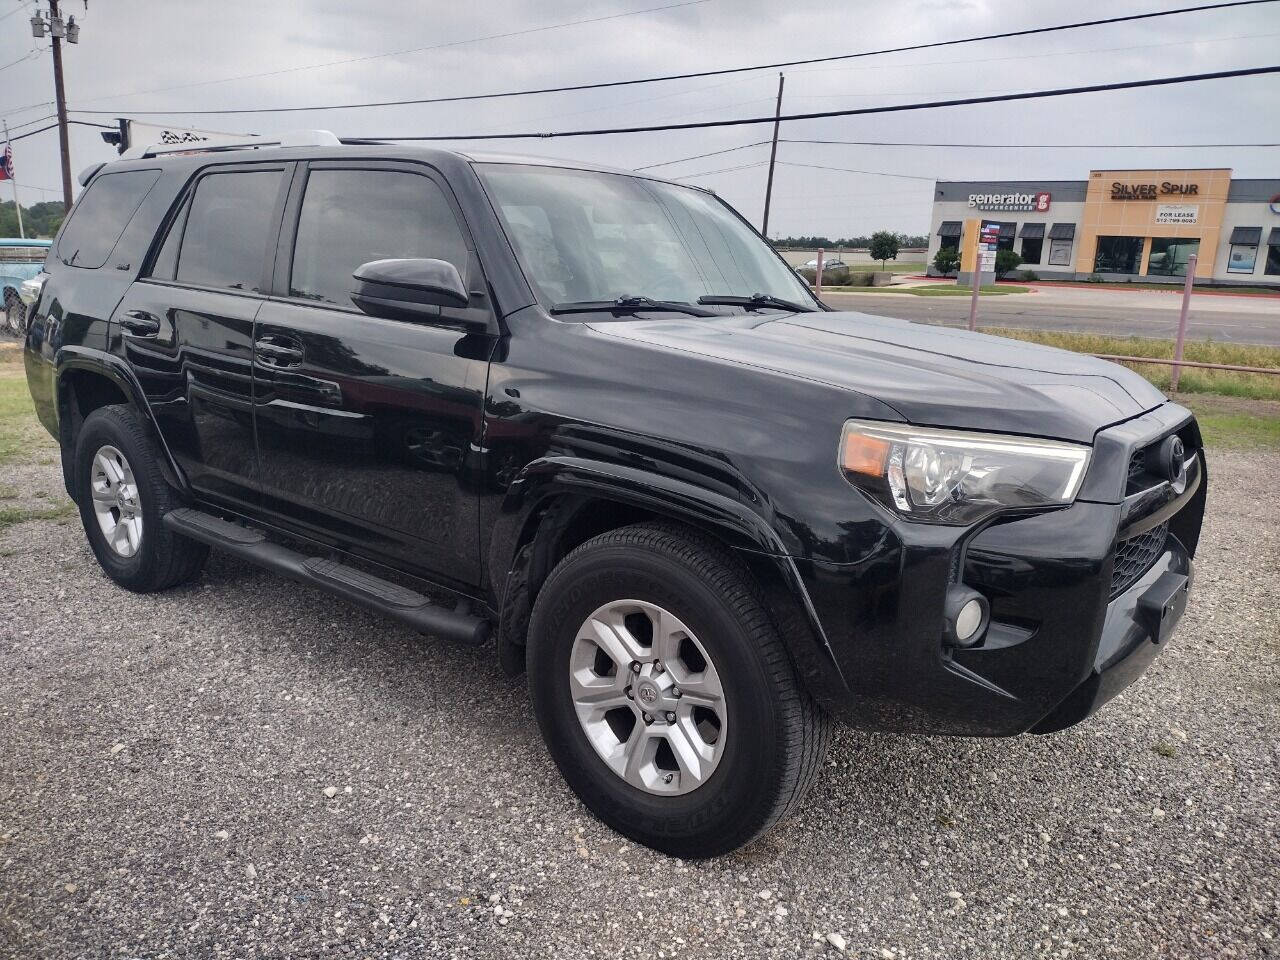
(1244, 257)
(1059, 253)
(1007, 233)
(1031, 250)
(1272, 268)
(1169, 256)
(1244, 249)
(1118, 255)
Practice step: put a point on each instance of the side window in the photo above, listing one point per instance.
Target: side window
(228, 229)
(350, 217)
(101, 215)
(166, 263)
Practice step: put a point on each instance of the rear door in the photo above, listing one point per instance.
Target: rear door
(187, 327)
(366, 426)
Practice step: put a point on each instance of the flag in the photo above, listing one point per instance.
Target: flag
(6, 168)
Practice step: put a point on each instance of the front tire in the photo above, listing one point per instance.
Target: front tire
(123, 498)
(15, 315)
(665, 694)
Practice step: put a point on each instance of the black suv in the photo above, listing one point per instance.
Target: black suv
(594, 411)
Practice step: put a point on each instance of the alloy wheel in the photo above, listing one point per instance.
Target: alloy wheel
(115, 501)
(648, 697)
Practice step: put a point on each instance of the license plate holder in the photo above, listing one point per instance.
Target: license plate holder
(1162, 604)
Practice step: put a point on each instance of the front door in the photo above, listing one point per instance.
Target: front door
(365, 426)
(187, 327)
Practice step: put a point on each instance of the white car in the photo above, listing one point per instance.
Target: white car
(826, 264)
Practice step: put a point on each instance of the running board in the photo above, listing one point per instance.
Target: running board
(390, 599)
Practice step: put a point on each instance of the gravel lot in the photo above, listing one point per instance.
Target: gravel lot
(248, 768)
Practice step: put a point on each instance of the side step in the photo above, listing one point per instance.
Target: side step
(392, 600)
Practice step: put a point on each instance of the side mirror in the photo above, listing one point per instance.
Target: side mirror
(407, 289)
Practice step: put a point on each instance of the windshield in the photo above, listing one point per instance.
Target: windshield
(588, 236)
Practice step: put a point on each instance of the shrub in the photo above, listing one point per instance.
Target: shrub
(1028, 276)
(834, 277)
(947, 261)
(1006, 262)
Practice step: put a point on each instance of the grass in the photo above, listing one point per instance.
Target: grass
(11, 515)
(1254, 386)
(1227, 422)
(22, 438)
(1177, 287)
(935, 290)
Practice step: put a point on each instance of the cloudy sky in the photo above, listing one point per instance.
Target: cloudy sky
(184, 55)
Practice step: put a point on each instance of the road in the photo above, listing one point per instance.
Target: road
(1143, 313)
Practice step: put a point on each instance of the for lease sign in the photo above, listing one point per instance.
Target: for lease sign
(1038, 202)
(1177, 213)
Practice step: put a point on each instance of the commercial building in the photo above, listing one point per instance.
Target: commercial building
(1120, 224)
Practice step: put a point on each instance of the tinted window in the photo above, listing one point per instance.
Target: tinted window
(350, 217)
(101, 215)
(228, 228)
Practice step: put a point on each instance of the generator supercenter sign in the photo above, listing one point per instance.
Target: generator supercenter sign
(1037, 202)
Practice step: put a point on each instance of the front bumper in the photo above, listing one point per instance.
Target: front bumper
(1070, 625)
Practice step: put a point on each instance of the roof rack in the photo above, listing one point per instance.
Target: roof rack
(292, 138)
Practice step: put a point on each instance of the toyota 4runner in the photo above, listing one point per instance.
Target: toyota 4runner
(594, 413)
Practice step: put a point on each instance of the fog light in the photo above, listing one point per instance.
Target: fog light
(969, 620)
(966, 611)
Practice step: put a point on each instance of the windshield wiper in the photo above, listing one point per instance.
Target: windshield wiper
(630, 305)
(754, 301)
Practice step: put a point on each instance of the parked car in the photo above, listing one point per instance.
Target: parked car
(707, 515)
(20, 260)
(827, 264)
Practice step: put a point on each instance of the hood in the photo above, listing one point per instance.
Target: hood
(933, 376)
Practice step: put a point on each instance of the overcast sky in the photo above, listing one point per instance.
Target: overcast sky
(138, 55)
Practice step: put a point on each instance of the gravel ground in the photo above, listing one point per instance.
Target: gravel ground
(247, 768)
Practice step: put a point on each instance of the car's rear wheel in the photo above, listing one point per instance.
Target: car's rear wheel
(15, 315)
(665, 694)
(123, 497)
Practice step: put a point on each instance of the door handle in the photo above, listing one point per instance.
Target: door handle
(139, 323)
(277, 352)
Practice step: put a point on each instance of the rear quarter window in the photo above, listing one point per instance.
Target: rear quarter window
(100, 216)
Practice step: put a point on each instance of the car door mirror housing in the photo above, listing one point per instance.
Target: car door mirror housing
(408, 289)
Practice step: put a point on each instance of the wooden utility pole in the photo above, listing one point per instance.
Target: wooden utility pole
(61, 97)
(773, 156)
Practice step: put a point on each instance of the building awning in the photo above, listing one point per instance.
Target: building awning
(950, 228)
(1032, 231)
(1062, 231)
(1274, 239)
(1247, 235)
(1007, 230)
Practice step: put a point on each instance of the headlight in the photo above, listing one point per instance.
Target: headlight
(957, 477)
(29, 290)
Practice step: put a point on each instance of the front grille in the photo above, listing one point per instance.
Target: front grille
(1137, 466)
(1135, 556)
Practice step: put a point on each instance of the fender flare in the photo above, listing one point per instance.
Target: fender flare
(118, 372)
(566, 484)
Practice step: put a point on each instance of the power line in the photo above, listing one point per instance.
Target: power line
(396, 53)
(871, 173)
(699, 156)
(1032, 31)
(707, 173)
(1024, 146)
(860, 111)
(54, 126)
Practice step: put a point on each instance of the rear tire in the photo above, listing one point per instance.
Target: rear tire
(123, 498)
(760, 746)
(15, 315)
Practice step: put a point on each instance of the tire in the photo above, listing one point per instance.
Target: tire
(15, 315)
(114, 439)
(766, 747)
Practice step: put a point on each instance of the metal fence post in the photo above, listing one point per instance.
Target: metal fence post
(1182, 322)
(977, 282)
(817, 276)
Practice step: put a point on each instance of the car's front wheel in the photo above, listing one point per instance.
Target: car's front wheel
(15, 315)
(123, 497)
(665, 694)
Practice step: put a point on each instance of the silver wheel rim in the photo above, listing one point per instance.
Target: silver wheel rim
(648, 697)
(115, 501)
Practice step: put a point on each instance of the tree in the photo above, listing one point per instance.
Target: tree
(38, 220)
(1007, 261)
(883, 246)
(947, 261)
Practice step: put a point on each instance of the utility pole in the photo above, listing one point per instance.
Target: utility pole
(61, 96)
(17, 207)
(773, 156)
(57, 30)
